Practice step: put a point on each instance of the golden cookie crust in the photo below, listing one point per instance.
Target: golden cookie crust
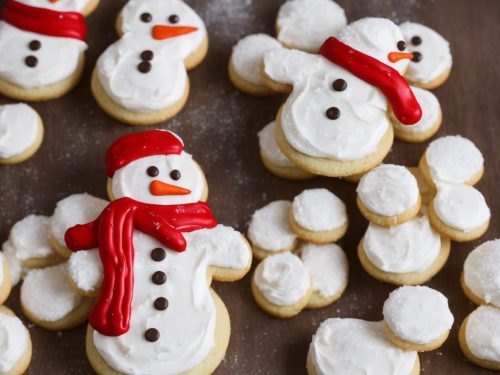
(434, 83)
(288, 173)
(407, 345)
(389, 221)
(320, 237)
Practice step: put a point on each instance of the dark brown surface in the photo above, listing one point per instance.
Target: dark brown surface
(219, 126)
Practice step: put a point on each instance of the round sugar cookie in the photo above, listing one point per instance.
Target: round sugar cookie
(5, 282)
(15, 344)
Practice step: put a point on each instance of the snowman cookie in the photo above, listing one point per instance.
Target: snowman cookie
(46, 47)
(142, 78)
(431, 64)
(354, 346)
(305, 24)
(155, 301)
(5, 283)
(318, 216)
(417, 318)
(388, 195)
(85, 7)
(15, 344)
(21, 133)
(335, 121)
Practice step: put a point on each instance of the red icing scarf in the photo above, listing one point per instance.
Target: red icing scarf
(112, 233)
(388, 80)
(44, 21)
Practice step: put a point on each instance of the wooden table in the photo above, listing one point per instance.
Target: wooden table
(219, 126)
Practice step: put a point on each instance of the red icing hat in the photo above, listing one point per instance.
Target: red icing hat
(135, 146)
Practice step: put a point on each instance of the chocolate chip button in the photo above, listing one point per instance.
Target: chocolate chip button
(159, 277)
(152, 334)
(417, 56)
(339, 84)
(31, 61)
(161, 303)
(147, 55)
(416, 40)
(174, 18)
(144, 67)
(34, 45)
(333, 113)
(158, 254)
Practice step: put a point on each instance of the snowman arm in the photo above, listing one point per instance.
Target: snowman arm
(161, 230)
(85, 271)
(82, 236)
(228, 248)
(288, 66)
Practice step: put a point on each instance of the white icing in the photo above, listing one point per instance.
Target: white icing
(19, 129)
(85, 269)
(57, 58)
(482, 333)
(282, 279)
(269, 149)
(431, 111)
(47, 295)
(306, 24)
(133, 181)
(59, 5)
(435, 50)
(14, 341)
(453, 159)
(187, 326)
(353, 346)
(72, 210)
(481, 272)
(14, 264)
(388, 190)
(319, 210)
(247, 56)
(418, 314)
(165, 84)
(269, 227)
(461, 207)
(328, 267)
(30, 238)
(410, 247)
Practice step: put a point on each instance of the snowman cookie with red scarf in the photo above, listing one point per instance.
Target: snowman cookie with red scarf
(335, 121)
(159, 247)
(142, 78)
(41, 50)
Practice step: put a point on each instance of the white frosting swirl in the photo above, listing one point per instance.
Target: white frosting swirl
(19, 129)
(481, 272)
(306, 24)
(31, 237)
(282, 279)
(431, 111)
(418, 314)
(14, 341)
(388, 190)
(59, 5)
(269, 149)
(461, 207)
(353, 346)
(410, 247)
(482, 333)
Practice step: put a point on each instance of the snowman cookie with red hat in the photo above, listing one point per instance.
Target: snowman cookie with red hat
(42, 50)
(335, 121)
(159, 247)
(142, 78)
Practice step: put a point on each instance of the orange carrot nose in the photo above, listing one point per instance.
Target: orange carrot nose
(53, 1)
(158, 187)
(161, 32)
(396, 56)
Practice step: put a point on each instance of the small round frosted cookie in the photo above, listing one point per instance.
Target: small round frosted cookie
(245, 63)
(478, 337)
(305, 24)
(48, 300)
(407, 254)
(281, 285)
(453, 160)
(427, 191)
(21, 133)
(5, 282)
(15, 344)
(388, 195)
(481, 276)
(269, 231)
(355, 346)
(428, 125)
(318, 216)
(417, 318)
(85, 272)
(70, 211)
(15, 266)
(329, 268)
(432, 61)
(459, 212)
(273, 158)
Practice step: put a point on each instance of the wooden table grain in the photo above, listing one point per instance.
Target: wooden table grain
(219, 126)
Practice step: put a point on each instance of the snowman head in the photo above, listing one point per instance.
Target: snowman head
(152, 167)
(379, 38)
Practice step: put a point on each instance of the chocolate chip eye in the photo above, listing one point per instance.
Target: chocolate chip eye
(174, 18)
(152, 171)
(401, 45)
(416, 40)
(175, 174)
(146, 17)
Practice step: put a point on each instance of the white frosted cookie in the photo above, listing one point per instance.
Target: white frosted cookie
(481, 276)
(432, 61)
(354, 346)
(5, 279)
(15, 266)
(417, 318)
(85, 271)
(269, 230)
(21, 133)
(15, 344)
(305, 24)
